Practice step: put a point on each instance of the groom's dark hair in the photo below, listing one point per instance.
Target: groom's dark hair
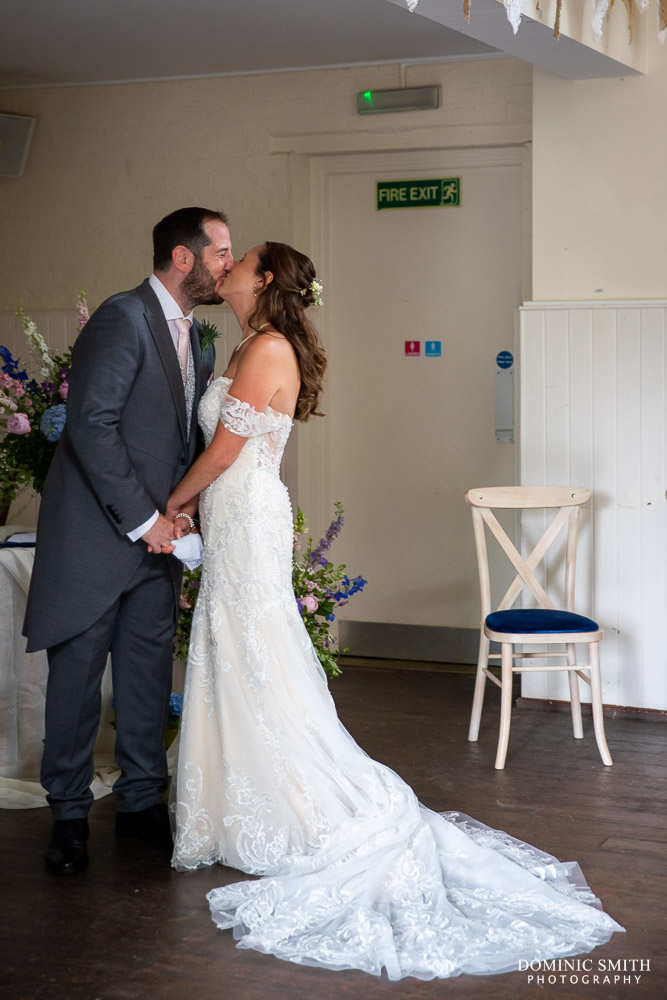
(184, 227)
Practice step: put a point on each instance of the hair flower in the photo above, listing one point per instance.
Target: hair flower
(316, 289)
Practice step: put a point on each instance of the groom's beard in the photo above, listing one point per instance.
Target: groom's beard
(199, 286)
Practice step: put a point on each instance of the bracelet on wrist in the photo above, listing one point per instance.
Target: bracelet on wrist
(188, 519)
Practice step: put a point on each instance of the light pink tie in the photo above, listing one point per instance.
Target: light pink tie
(183, 327)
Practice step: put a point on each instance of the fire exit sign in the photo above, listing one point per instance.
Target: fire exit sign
(443, 192)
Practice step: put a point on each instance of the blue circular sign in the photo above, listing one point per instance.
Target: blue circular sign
(504, 359)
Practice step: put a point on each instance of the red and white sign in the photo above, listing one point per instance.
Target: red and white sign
(413, 348)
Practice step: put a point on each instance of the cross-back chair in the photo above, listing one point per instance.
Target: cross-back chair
(542, 625)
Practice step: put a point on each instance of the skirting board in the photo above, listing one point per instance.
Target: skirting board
(430, 643)
(610, 711)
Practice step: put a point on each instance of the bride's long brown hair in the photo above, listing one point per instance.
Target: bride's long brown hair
(282, 303)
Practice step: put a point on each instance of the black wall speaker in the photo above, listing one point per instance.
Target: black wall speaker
(15, 137)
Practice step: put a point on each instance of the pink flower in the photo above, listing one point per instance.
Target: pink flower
(18, 423)
(82, 310)
(184, 603)
(64, 389)
(310, 603)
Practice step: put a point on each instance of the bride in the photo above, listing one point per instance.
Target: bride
(356, 873)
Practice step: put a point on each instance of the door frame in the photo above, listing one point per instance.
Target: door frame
(307, 459)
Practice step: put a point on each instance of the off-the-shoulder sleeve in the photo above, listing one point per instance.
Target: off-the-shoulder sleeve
(243, 419)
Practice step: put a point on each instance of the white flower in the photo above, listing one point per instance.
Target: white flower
(316, 288)
(36, 340)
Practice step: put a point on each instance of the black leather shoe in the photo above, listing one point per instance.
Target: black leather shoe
(150, 824)
(67, 854)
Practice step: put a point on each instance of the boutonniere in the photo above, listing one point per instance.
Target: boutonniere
(208, 335)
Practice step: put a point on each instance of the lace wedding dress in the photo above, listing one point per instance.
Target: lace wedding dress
(356, 873)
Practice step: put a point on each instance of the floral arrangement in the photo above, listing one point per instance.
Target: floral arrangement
(189, 592)
(173, 719)
(33, 408)
(319, 588)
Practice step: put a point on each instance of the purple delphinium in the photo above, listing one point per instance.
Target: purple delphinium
(333, 531)
(11, 366)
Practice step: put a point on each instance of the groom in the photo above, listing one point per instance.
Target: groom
(102, 581)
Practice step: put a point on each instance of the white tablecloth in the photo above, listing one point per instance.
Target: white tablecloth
(22, 694)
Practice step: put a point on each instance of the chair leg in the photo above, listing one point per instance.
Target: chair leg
(505, 704)
(596, 703)
(480, 684)
(575, 701)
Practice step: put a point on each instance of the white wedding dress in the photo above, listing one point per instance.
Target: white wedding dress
(356, 873)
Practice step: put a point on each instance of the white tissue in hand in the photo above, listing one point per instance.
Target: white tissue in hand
(189, 550)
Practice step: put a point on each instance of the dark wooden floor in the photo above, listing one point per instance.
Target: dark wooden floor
(130, 928)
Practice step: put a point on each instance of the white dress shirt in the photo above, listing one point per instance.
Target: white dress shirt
(172, 311)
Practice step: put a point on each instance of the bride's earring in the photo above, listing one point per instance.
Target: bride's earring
(255, 287)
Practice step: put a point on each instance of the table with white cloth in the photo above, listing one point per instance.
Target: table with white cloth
(23, 690)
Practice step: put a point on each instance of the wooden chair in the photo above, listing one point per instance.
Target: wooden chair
(542, 625)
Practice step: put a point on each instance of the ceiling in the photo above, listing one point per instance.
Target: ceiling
(61, 42)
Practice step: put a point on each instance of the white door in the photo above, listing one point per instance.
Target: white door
(406, 436)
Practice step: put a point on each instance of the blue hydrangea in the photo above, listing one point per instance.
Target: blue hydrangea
(53, 421)
(176, 704)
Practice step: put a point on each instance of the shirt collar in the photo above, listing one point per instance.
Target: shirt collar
(168, 303)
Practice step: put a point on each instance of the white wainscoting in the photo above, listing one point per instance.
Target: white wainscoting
(593, 382)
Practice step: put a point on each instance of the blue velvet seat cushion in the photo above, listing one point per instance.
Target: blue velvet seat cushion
(534, 620)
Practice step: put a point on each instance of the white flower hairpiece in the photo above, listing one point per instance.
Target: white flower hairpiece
(316, 289)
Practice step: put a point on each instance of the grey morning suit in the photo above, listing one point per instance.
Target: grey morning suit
(93, 591)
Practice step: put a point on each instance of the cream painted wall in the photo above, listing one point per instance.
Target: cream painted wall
(599, 163)
(108, 161)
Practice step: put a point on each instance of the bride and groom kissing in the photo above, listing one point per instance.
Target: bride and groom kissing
(357, 873)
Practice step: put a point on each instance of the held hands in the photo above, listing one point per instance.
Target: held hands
(160, 538)
(184, 525)
(168, 527)
(181, 516)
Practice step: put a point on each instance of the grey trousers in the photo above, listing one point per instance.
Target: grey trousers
(138, 632)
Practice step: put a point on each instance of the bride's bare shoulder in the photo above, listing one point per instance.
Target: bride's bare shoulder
(270, 347)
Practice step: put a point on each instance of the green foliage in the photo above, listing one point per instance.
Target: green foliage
(209, 335)
(189, 592)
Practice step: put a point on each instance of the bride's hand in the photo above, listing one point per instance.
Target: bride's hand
(182, 525)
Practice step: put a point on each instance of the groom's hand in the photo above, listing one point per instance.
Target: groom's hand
(160, 538)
